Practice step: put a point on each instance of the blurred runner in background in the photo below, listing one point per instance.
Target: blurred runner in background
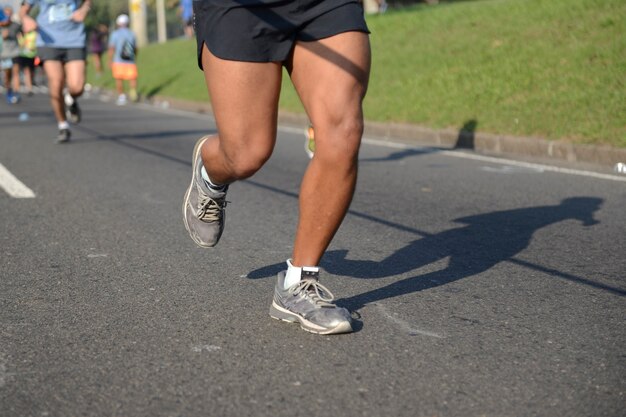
(26, 60)
(186, 15)
(61, 47)
(10, 31)
(122, 55)
(97, 46)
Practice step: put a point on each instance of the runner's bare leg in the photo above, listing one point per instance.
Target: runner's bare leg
(331, 77)
(75, 77)
(119, 86)
(56, 81)
(244, 96)
(15, 78)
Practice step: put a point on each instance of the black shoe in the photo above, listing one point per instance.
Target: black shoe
(64, 136)
(74, 113)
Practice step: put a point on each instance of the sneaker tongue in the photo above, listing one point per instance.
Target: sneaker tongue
(310, 272)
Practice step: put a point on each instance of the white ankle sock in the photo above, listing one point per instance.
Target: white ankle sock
(69, 100)
(64, 125)
(208, 182)
(294, 273)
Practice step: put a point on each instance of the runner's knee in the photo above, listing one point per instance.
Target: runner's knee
(75, 89)
(246, 161)
(55, 93)
(339, 139)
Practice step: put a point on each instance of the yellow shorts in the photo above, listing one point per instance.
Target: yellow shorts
(124, 71)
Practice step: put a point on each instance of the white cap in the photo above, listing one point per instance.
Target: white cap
(122, 20)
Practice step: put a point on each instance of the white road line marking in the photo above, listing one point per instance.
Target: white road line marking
(403, 324)
(502, 161)
(530, 165)
(208, 348)
(289, 129)
(14, 187)
(507, 169)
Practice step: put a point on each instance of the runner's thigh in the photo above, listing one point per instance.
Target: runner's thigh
(331, 77)
(54, 73)
(244, 96)
(75, 76)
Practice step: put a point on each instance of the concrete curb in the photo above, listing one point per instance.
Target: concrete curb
(500, 144)
(486, 143)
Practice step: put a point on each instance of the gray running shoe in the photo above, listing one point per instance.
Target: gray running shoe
(309, 303)
(203, 208)
(64, 136)
(72, 111)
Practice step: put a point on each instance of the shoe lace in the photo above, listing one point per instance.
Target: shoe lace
(316, 292)
(210, 210)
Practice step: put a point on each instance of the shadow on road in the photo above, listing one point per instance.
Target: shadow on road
(403, 154)
(465, 140)
(160, 134)
(485, 240)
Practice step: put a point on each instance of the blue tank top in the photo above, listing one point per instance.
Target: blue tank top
(55, 27)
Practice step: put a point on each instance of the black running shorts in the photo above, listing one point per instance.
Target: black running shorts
(266, 30)
(47, 53)
(24, 62)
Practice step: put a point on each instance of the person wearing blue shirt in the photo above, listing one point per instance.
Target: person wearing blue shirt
(61, 46)
(10, 32)
(186, 15)
(122, 54)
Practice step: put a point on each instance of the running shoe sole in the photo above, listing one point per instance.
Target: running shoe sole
(279, 313)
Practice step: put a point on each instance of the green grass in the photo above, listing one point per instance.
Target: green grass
(548, 68)
(167, 69)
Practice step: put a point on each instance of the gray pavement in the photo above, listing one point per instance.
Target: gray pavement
(484, 287)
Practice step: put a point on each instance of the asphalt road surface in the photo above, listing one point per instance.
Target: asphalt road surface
(484, 287)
